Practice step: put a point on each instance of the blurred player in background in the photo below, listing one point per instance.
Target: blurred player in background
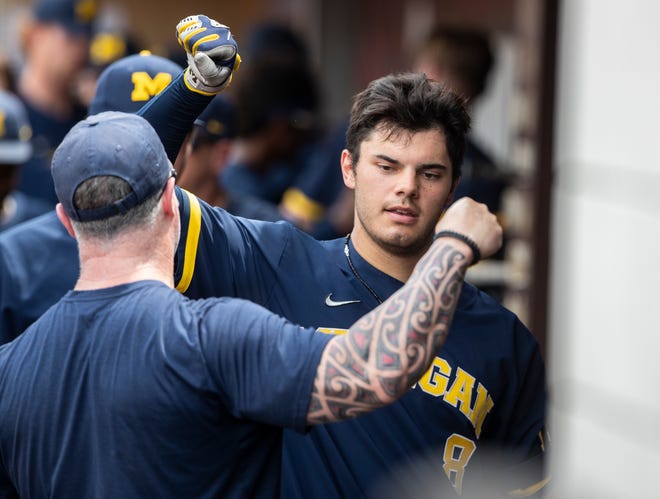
(109, 44)
(55, 41)
(277, 101)
(206, 154)
(15, 150)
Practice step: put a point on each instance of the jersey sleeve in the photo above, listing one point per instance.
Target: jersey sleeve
(172, 113)
(223, 255)
(263, 365)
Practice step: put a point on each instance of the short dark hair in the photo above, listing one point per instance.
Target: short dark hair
(409, 102)
(104, 190)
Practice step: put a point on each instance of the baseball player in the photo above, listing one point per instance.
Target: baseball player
(145, 393)
(55, 45)
(479, 412)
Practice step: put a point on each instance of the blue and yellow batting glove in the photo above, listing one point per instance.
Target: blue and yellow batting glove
(211, 51)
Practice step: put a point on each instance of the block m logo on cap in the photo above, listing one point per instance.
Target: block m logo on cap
(145, 87)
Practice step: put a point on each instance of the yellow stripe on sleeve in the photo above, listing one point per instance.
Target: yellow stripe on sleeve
(296, 202)
(192, 240)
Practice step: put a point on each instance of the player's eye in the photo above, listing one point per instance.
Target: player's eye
(431, 175)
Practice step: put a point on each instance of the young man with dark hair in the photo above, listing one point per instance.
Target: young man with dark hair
(481, 407)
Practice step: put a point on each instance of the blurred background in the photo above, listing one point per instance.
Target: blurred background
(569, 81)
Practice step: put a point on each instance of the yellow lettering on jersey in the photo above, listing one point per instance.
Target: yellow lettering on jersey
(436, 379)
(482, 407)
(331, 330)
(145, 87)
(460, 391)
(457, 454)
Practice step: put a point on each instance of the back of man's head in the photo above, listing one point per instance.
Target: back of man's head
(109, 173)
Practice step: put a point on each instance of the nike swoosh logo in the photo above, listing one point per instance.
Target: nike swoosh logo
(332, 303)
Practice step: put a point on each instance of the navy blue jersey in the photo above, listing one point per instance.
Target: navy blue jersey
(137, 391)
(484, 392)
(38, 265)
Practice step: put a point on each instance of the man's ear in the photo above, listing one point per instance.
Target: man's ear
(170, 204)
(64, 218)
(347, 171)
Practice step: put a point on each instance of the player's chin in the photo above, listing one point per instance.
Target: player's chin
(405, 240)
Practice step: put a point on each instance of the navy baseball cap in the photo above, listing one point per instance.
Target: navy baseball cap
(77, 16)
(15, 130)
(218, 120)
(111, 143)
(129, 83)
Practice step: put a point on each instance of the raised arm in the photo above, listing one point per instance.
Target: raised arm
(389, 349)
(213, 58)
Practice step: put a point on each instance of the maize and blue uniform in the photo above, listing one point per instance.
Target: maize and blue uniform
(200, 387)
(483, 400)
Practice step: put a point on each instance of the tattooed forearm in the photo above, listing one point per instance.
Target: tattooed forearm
(390, 348)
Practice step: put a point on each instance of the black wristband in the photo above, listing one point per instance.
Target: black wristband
(476, 254)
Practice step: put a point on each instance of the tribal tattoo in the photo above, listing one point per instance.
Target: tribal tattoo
(390, 348)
